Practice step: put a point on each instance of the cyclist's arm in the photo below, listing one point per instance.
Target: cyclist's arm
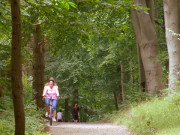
(44, 91)
(57, 91)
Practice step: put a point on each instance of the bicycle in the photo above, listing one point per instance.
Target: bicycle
(50, 111)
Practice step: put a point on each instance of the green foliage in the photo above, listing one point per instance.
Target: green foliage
(86, 50)
(6, 116)
(6, 128)
(5, 41)
(157, 116)
(133, 93)
(33, 118)
(27, 87)
(34, 121)
(86, 41)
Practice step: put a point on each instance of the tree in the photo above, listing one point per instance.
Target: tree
(147, 44)
(142, 80)
(1, 90)
(38, 65)
(122, 82)
(45, 13)
(89, 47)
(172, 24)
(16, 71)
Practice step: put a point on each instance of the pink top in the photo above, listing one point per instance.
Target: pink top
(48, 92)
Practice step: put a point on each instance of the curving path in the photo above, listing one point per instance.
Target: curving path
(61, 128)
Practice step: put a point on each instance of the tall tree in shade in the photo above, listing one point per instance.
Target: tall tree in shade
(16, 69)
(38, 65)
(146, 37)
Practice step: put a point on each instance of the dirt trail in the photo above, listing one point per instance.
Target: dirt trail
(87, 129)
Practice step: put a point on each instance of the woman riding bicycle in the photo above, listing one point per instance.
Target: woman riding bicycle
(51, 92)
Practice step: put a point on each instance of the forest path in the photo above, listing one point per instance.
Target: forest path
(62, 128)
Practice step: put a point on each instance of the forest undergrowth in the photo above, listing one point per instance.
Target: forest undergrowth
(157, 116)
(34, 121)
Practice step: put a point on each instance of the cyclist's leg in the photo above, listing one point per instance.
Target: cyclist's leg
(54, 104)
(47, 102)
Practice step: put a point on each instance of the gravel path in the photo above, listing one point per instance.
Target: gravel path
(88, 129)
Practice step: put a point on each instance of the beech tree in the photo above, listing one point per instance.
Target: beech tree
(16, 69)
(172, 24)
(146, 37)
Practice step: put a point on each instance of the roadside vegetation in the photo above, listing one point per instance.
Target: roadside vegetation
(102, 56)
(35, 123)
(155, 116)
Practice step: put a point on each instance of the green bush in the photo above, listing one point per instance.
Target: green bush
(158, 116)
(28, 90)
(33, 118)
(34, 121)
(6, 116)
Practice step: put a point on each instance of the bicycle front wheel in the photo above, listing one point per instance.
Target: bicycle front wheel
(50, 117)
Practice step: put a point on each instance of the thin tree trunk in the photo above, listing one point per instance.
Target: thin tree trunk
(122, 82)
(38, 66)
(66, 110)
(142, 79)
(16, 69)
(171, 15)
(116, 101)
(119, 90)
(1, 91)
(147, 41)
(131, 71)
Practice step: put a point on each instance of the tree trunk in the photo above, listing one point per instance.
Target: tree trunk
(116, 100)
(131, 71)
(142, 80)
(66, 117)
(1, 90)
(118, 92)
(150, 5)
(147, 42)
(171, 16)
(16, 69)
(38, 66)
(179, 17)
(122, 82)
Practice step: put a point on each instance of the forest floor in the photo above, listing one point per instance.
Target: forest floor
(67, 128)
